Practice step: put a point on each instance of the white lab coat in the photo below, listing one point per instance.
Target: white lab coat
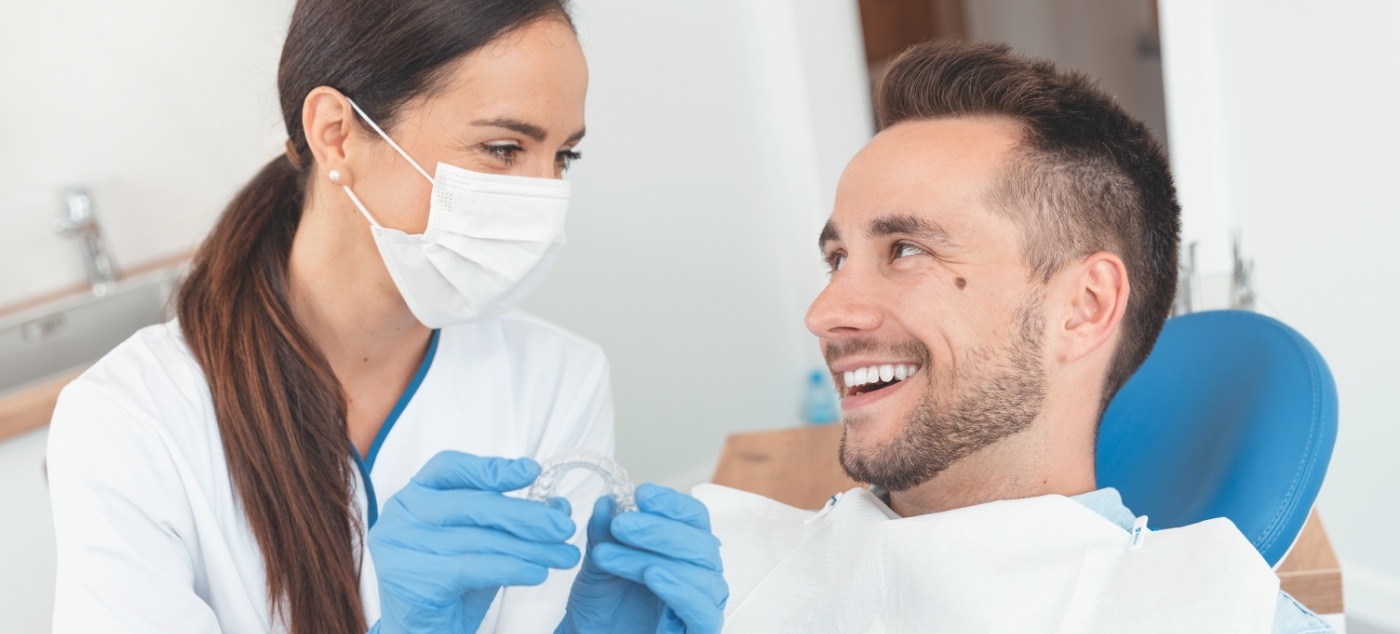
(151, 537)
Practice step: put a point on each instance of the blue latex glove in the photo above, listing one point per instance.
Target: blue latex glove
(447, 543)
(655, 570)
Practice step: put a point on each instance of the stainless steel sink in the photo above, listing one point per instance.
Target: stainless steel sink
(51, 339)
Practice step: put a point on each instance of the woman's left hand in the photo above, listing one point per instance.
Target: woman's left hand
(654, 570)
(449, 541)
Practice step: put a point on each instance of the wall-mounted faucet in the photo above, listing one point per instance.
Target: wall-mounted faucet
(78, 221)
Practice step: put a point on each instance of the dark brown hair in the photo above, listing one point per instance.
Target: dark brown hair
(1087, 178)
(280, 408)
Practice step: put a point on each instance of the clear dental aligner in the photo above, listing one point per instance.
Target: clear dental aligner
(552, 472)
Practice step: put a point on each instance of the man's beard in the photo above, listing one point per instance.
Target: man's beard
(996, 394)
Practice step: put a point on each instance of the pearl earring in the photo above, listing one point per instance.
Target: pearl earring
(334, 175)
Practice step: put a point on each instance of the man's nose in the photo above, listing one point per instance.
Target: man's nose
(844, 307)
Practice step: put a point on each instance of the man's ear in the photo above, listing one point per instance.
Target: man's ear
(1096, 297)
(328, 122)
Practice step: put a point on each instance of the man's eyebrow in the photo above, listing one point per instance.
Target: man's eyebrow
(910, 225)
(829, 234)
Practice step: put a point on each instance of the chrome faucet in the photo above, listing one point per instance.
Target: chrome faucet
(1242, 295)
(78, 221)
(1186, 282)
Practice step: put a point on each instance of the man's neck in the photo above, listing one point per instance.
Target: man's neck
(1027, 464)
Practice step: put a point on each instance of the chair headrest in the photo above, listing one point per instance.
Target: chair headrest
(1234, 414)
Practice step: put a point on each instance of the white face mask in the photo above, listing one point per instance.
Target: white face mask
(491, 241)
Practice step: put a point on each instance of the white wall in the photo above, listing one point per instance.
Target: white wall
(1103, 38)
(716, 133)
(1283, 123)
(162, 107)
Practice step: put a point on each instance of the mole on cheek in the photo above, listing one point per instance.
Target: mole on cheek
(962, 283)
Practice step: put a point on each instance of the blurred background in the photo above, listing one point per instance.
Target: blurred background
(717, 132)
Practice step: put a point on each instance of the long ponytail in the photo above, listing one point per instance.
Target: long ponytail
(279, 405)
(280, 408)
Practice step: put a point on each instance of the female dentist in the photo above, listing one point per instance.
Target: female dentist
(346, 332)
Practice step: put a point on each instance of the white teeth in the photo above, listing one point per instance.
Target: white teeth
(878, 374)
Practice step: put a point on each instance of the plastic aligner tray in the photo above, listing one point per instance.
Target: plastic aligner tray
(552, 473)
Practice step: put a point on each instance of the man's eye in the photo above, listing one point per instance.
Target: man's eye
(835, 261)
(904, 250)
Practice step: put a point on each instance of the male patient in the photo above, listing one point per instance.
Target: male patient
(1002, 257)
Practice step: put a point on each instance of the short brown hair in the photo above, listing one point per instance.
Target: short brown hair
(1087, 178)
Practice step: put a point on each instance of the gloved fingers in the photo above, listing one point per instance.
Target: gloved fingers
(523, 518)
(668, 537)
(439, 581)
(690, 602)
(450, 543)
(560, 504)
(484, 571)
(457, 470)
(421, 579)
(696, 595)
(633, 565)
(671, 503)
(600, 524)
(669, 622)
(463, 540)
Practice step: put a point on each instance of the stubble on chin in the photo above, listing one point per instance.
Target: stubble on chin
(994, 397)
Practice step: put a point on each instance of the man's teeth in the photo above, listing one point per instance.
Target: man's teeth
(879, 374)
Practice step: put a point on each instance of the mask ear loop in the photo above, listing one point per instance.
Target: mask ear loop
(356, 199)
(359, 205)
(396, 147)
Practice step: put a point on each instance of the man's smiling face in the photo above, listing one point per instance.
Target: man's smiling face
(928, 283)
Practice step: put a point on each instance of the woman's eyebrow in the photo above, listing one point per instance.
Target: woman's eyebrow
(528, 129)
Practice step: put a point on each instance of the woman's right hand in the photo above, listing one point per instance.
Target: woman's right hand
(446, 543)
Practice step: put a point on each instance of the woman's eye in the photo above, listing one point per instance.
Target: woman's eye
(504, 153)
(904, 250)
(565, 159)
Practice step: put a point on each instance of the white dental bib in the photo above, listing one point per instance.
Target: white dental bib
(1046, 564)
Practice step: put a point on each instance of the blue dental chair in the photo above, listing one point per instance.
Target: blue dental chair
(1234, 414)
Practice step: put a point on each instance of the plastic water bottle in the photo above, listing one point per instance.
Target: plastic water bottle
(819, 404)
